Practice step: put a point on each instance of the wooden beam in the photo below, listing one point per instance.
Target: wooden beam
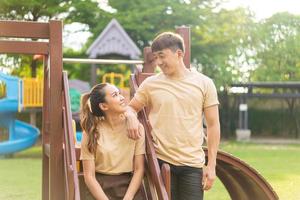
(186, 35)
(272, 96)
(166, 175)
(45, 132)
(23, 47)
(57, 190)
(22, 29)
(46, 148)
(287, 84)
(45, 178)
(93, 75)
(70, 157)
(149, 62)
(150, 152)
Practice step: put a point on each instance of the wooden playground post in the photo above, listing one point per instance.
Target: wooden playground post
(186, 35)
(53, 175)
(55, 113)
(45, 137)
(149, 65)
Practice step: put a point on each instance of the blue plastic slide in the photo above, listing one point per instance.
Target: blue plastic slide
(21, 135)
(24, 136)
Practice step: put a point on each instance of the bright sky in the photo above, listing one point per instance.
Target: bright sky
(262, 9)
(266, 8)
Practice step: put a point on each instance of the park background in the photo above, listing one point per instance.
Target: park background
(229, 44)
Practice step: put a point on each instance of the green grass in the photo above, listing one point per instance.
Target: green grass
(278, 164)
(20, 176)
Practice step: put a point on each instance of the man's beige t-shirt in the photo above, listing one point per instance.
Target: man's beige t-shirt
(115, 151)
(176, 111)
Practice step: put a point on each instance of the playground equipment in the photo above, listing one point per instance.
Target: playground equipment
(59, 160)
(110, 78)
(21, 135)
(32, 93)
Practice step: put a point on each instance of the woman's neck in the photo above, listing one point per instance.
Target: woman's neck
(113, 120)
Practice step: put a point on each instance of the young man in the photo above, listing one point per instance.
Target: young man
(177, 99)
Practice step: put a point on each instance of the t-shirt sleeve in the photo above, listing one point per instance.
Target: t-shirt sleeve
(85, 154)
(142, 94)
(140, 143)
(211, 95)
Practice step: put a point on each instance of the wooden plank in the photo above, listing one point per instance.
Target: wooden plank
(271, 85)
(149, 62)
(152, 159)
(272, 96)
(73, 183)
(185, 34)
(22, 29)
(166, 175)
(46, 148)
(46, 94)
(57, 187)
(23, 47)
(150, 152)
(45, 131)
(45, 178)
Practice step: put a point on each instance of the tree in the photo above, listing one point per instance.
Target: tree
(278, 55)
(219, 37)
(278, 48)
(143, 20)
(43, 10)
(219, 43)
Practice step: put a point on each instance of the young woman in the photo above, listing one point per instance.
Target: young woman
(113, 164)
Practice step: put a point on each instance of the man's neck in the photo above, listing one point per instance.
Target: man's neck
(179, 73)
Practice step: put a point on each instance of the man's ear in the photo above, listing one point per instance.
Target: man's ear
(180, 53)
(103, 106)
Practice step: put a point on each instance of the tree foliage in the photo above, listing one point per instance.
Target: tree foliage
(227, 45)
(278, 49)
(44, 10)
(216, 33)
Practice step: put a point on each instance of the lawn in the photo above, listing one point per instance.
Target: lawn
(279, 164)
(20, 176)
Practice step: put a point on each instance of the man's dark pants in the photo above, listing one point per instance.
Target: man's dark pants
(186, 182)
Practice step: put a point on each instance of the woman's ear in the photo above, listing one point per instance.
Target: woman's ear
(103, 106)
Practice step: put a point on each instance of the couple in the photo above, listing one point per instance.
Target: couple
(113, 143)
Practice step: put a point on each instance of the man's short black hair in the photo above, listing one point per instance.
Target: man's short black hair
(167, 40)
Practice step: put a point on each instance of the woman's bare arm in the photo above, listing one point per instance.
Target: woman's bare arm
(91, 181)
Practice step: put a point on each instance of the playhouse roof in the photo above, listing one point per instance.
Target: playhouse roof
(114, 40)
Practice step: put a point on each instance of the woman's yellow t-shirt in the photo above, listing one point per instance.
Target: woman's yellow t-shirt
(115, 151)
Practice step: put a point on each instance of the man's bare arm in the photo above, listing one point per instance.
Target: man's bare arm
(131, 118)
(213, 139)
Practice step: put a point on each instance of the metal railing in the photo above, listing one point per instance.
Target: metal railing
(101, 61)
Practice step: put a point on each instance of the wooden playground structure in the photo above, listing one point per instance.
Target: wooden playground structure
(32, 92)
(61, 177)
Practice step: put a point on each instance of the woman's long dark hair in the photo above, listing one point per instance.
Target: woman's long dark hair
(91, 114)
